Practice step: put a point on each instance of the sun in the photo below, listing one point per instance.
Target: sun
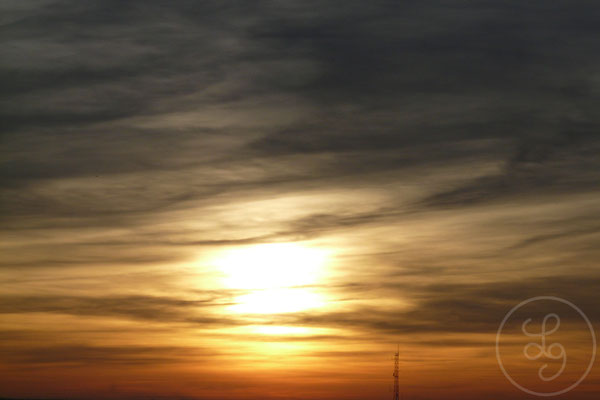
(274, 278)
(271, 266)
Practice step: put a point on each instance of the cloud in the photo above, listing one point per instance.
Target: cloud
(151, 308)
(76, 355)
(439, 308)
(78, 110)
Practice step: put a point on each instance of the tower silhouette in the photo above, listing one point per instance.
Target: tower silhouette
(396, 373)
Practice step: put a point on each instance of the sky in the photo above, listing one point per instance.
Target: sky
(266, 199)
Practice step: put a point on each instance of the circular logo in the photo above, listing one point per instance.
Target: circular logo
(539, 357)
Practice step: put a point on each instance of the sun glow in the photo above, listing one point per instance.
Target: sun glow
(275, 277)
(276, 301)
(282, 330)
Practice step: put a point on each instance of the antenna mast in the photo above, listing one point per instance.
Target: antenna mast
(396, 373)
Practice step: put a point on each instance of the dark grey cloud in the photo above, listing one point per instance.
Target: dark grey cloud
(476, 308)
(429, 80)
(388, 86)
(546, 167)
(151, 308)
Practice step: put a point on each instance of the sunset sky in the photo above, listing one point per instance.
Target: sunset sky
(264, 200)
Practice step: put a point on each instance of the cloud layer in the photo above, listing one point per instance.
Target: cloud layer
(445, 151)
